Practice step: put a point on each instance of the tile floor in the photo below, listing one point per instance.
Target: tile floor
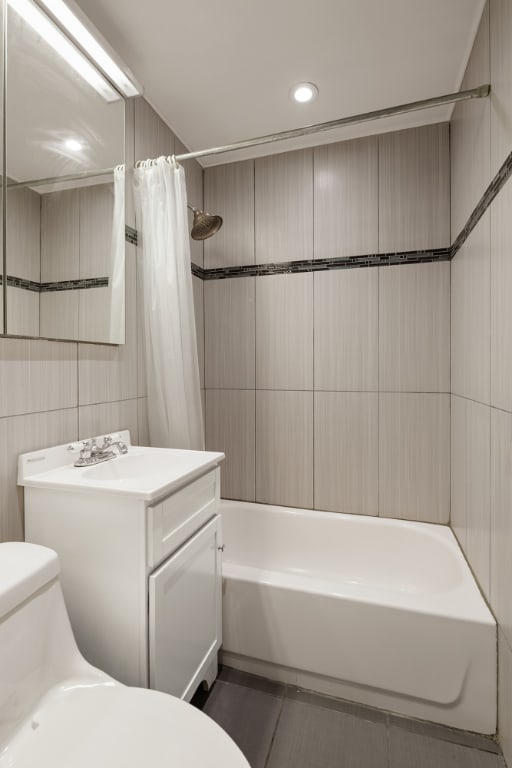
(279, 726)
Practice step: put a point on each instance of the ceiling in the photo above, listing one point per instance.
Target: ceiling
(221, 71)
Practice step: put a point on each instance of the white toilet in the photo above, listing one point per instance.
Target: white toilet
(58, 711)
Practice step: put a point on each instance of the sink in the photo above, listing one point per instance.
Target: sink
(138, 465)
(142, 473)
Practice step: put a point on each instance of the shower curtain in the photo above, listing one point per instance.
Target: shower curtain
(172, 369)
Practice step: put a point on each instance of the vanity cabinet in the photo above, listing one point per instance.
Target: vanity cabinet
(141, 577)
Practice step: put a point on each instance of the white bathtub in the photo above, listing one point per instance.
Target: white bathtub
(383, 612)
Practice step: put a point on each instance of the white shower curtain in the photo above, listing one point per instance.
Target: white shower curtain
(172, 369)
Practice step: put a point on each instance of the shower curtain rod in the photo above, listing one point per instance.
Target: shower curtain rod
(473, 93)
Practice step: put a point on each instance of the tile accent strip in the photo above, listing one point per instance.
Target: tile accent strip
(321, 265)
(61, 285)
(130, 235)
(483, 204)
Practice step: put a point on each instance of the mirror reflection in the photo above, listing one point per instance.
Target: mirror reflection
(64, 187)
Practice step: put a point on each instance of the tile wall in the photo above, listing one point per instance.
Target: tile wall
(481, 343)
(54, 392)
(330, 389)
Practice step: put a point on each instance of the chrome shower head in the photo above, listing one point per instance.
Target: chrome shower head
(205, 224)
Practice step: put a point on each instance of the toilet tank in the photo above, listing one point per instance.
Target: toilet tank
(37, 647)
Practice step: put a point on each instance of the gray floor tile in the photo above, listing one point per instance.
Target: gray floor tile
(408, 749)
(309, 736)
(248, 715)
(340, 705)
(229, 675)
(444, 733)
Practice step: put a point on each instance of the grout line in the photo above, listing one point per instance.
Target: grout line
(272, 740)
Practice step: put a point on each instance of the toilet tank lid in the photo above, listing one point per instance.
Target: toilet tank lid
(24, 568)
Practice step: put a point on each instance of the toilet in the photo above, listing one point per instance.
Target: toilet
(58, 711)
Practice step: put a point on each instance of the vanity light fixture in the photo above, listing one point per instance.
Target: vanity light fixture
(73, 144)
(79, 32)
(38, 20)
(304, 92)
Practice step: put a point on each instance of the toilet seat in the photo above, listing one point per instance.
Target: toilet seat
(86, 724)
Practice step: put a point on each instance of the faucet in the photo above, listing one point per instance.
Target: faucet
(91, 453)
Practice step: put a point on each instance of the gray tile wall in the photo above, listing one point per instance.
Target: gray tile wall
(54, 392)
(481, 322)
(331, 389)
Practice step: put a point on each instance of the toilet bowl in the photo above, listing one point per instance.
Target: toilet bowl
(57, 710)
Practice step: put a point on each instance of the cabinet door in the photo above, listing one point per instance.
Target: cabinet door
(185, 621)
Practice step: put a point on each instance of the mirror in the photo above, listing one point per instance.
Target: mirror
(64, 191)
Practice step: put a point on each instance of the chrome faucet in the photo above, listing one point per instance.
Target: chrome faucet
(91, 453)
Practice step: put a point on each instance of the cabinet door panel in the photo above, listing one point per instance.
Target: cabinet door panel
(185, 614)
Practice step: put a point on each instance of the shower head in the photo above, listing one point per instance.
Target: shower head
(205, 224)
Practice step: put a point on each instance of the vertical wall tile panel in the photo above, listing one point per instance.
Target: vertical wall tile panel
(23, 233)
(229, 333)
(414, 189)
(230, 427)
(414, 327)
(501, 304)
(346, 198)
(229, 192)
(471, 315)
(108, 417)
(153, 137)
(94, 305)
(346, 333)
(23, 311)
(194, 182)
(142, 421)
(505, 697)
(501, 82)
(284, 448)
(36, 375)
(284, 332)
(470, 135)
(60, 235)
(478, 501)
(96, 216)
(59, 313)
(109, 373)
(20, 434)
(198, 287)
(414, 456)
(458, 511)
(284, 207)
(501, 520)
(346, 455)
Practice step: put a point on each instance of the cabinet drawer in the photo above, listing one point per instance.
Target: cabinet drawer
(173, 520)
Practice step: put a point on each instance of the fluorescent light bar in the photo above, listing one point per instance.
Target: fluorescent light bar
(87, 41)
(38, 20)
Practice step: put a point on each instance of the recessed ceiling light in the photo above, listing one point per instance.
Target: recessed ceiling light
(74, 145)
(304, 92)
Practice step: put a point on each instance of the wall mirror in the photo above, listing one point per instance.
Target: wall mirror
(62, 186)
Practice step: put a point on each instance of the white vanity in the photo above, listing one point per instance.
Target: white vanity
(139, 540)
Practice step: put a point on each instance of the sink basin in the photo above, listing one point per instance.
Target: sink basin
(132, 466)
(144, 473)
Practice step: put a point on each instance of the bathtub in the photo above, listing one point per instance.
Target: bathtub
(382, 612)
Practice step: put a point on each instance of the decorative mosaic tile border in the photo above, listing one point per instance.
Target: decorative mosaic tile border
(130, 235)
(321, 265)
(483, 204)
(61, 285)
